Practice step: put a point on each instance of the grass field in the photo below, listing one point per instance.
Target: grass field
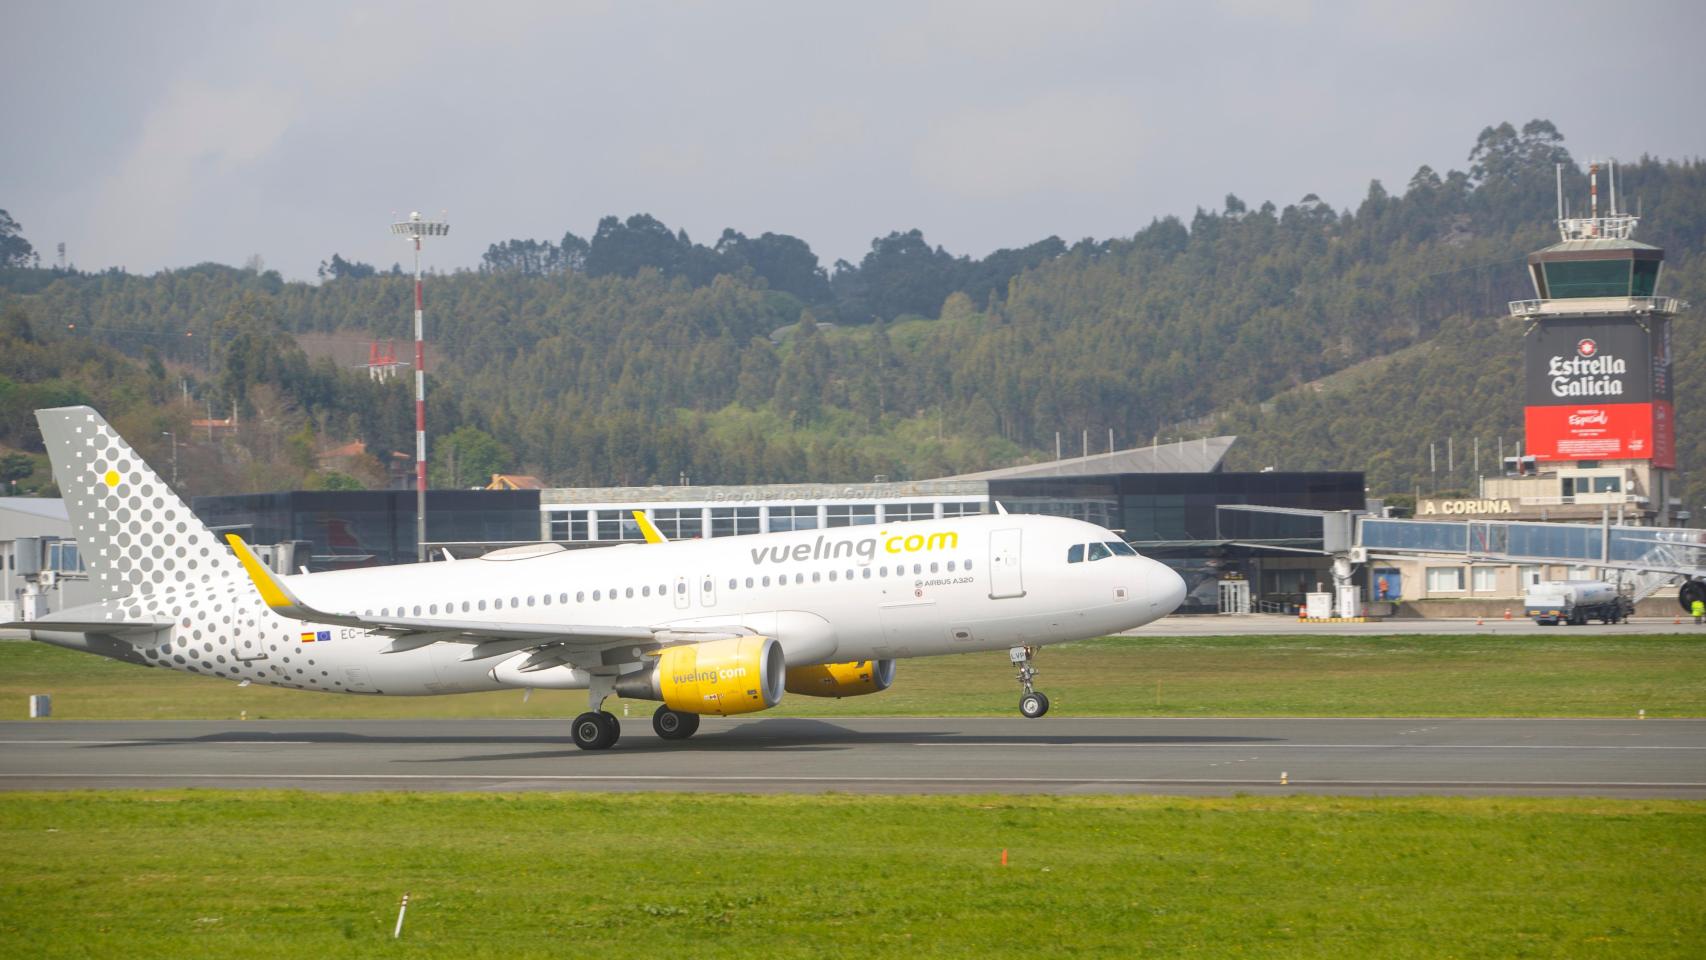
(1549, 675)
(269, 874)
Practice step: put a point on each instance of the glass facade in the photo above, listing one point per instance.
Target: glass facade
(1172, 507)
(360, 528)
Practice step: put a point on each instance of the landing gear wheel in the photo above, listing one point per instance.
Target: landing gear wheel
(674, 724)
(595, 730)
(1032, 704)
(613, 724)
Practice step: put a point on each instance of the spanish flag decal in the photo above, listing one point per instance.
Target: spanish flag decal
(309, 636)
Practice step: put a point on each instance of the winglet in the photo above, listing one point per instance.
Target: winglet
(653, 534)
(272, 592)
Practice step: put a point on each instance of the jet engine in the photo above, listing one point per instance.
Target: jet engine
(852, 679)
(732, 675)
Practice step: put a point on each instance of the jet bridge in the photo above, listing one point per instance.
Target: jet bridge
(1656, 556)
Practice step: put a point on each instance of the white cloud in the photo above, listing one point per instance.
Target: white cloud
(1072, 141)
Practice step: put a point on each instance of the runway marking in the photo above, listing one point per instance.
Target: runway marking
(1307, 746)
(664, 778)
(164, 743)
(1245, 745)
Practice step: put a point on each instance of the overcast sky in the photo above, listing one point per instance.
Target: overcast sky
(162, 134)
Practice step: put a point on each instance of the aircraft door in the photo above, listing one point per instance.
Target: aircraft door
(708, 590)
(1005, 577)
(682, 599)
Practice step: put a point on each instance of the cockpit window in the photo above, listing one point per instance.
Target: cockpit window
(1121, 548)
(1100, 551)
(1075, 553)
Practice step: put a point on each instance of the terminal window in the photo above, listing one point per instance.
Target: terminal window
(1445, 579)
(793, 518)
(568, 525)
(733, 521)
(850, 514)
(685, 523)
(966, 509)
(901, 512)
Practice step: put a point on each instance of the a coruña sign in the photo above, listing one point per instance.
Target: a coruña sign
(1483, 507)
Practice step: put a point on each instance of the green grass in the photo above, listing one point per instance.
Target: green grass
(272, 874)
(1483, 675)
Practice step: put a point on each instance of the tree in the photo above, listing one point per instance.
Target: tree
(15, 251)
(468, 456)
(14, 467)
(341, 269)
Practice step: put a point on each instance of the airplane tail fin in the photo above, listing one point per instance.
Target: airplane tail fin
(135, 534)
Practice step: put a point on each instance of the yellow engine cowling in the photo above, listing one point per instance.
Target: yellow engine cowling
(853, 679)
(733, 675)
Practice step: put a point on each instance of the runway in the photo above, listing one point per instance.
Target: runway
(1526, 757)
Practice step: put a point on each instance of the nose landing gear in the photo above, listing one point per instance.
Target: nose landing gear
(1033, 704)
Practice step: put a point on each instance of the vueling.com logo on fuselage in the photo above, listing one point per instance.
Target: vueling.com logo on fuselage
(864, 549)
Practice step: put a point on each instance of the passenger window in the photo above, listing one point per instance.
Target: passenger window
(749, 583)
(646, 590)
(832, 576)
(867, 573)
(765, 582)
(799, 578)
(1121, 548)
(817, 577)
(932, 568)
(580, 596)
(1100, 551)
(1075, 553)
(950, 566)
(732, 583)
(595, 596)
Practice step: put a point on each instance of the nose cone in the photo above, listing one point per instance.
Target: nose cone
(1166, 586)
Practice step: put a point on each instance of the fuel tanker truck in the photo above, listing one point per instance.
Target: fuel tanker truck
(1552, 602)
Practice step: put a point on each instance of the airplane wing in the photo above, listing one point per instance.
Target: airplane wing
(487, 638)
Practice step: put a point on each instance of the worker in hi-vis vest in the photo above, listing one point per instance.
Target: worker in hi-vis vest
(1699, 610)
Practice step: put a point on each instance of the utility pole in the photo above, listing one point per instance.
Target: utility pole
(168, 433)
(414, 229)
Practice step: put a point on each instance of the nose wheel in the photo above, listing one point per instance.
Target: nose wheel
(596, 730)
(1033, 704)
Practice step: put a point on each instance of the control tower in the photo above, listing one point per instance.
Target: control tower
(1599, 415)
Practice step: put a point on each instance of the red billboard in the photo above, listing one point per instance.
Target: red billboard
(1607, 431)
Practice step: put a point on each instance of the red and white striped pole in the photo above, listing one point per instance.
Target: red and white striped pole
(420, 415)
(415, 228)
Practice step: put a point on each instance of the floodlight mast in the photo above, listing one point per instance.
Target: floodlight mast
(414, 229)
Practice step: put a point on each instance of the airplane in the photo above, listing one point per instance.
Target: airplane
(722, 626)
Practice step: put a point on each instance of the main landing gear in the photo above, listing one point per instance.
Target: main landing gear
(674, 724)
(1033, 704)
(596, 730)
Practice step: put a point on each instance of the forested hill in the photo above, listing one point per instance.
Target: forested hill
(638, 356)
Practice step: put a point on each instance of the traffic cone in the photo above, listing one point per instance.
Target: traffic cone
(1507, 613)
(1479, 622)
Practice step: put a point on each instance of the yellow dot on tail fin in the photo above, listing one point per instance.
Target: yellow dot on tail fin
(111, 478)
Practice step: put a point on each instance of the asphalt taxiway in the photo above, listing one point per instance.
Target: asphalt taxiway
(1530, 757)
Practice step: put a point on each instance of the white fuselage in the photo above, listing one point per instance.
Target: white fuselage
(850, 593)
